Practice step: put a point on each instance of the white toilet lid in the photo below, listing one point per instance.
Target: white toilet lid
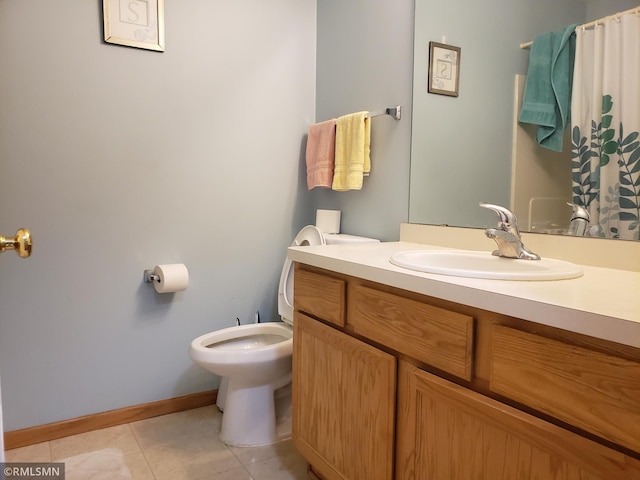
(309, 235)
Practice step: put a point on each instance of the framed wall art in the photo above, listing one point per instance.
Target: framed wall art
(444, 69)
(134, 23)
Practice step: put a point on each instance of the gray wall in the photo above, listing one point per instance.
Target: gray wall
(601, 8)
(365, 62)
(119, 159)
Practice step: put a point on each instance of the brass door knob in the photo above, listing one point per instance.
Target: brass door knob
(21, 243)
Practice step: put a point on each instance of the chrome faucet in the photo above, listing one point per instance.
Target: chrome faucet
(579, 225)
(507, 235)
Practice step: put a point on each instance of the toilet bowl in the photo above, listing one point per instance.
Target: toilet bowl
(254, 362)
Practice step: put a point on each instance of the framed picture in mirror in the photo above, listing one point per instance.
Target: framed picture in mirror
(444, 69)
(134, 23)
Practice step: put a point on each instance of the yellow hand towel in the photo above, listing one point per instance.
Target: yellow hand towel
(353, 138)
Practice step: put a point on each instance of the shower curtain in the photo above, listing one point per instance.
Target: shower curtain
(605, 117)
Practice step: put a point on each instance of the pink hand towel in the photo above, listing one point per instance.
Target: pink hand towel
(321, 153)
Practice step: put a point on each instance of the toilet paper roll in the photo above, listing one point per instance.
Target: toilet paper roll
(171, 278)
(328, 221)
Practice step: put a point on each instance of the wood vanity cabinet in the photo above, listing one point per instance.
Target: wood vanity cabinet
(388, 384)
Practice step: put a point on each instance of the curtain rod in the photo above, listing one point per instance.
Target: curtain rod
(594, 23)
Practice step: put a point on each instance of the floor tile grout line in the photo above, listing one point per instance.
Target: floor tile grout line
(150, 468)
(135, 437)
(133, 434)
(142, 451)
(242, 465)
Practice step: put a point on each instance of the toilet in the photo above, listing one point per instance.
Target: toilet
(254, 362)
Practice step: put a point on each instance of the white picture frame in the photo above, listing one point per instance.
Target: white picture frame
(134, 23)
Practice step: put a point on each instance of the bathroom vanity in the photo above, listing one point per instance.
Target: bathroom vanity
(406, 375)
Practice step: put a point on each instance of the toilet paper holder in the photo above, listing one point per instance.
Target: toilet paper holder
(150, 276)
(169, 278)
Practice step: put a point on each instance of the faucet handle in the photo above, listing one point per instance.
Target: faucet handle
(579, 211)
(507, 235)
(507, 219)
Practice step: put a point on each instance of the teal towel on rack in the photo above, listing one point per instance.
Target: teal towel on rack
(547, 92)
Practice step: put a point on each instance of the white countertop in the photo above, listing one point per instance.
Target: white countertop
(603, 303)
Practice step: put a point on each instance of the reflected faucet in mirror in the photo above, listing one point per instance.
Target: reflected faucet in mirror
(579, 224)
(507, 234)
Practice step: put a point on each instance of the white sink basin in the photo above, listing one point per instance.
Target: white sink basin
(467, 263)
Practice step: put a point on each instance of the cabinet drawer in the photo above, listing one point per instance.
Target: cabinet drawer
(320, 296)
(433, 335)
(596, 392)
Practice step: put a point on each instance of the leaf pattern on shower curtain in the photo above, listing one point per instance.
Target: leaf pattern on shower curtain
(621, 200)
(629, 163)
(605, 136)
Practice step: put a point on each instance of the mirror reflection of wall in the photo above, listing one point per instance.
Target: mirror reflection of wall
(462, 146)
(540, 178)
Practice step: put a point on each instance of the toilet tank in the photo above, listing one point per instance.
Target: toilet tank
(341, 238)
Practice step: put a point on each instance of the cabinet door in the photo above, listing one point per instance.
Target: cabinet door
(343, 403)
(447, 432)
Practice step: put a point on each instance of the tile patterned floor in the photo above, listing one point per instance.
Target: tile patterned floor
(179, 446)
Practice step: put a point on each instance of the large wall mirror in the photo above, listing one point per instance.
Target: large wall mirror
(462, 147)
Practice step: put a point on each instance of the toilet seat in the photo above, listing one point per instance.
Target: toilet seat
(309, 235)
(249, 349)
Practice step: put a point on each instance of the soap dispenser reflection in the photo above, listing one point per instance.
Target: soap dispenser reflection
(579, 220)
